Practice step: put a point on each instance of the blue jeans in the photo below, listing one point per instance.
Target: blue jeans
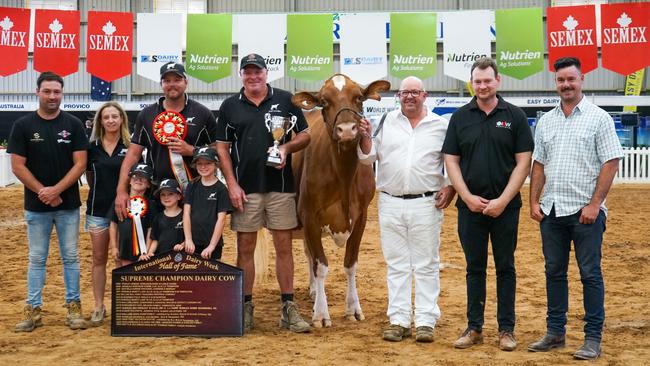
(557, 234)
(39, 229)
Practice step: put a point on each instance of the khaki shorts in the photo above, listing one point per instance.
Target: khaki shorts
(273, 210)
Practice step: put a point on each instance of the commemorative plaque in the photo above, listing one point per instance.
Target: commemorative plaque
(177, 294)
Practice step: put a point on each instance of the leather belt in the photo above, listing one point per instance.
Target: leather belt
(412, 196)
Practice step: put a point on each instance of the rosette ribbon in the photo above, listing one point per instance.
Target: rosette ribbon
(172, 124)
(136, 210)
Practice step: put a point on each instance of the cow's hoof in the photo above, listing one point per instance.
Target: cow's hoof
(322, 323)
(355, 317)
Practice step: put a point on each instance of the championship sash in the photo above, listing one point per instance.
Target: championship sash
(172, 124)
(137, 209)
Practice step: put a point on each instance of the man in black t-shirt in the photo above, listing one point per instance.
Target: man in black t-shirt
(201, 131)
(488, 150)
(263, 196)
(48, 155)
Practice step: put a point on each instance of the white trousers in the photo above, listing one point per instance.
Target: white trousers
(410, 241)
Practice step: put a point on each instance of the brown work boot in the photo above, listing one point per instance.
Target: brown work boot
(249, 323)
(424, 334)
(395, 333)
(507, 341)
(469, 338)
(290, 318)
(31, 320)
(75, 319)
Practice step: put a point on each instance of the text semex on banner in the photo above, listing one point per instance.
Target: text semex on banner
(14, 40)
(572, 33)
(110, 44)
(56, 41)
(624, 32)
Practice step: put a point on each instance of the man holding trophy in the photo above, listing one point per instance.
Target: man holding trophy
(254, 143)
(169, 129)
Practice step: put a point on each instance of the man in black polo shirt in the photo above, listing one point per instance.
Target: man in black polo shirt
(263, 196)
(201, 131)
(488, 151)
(48, 155)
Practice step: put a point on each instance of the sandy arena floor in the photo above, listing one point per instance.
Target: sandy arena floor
(626, 266)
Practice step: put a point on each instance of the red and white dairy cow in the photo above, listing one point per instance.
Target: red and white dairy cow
(334, 189)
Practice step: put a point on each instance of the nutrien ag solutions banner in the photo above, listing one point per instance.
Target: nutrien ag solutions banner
(413, 44)
(309, 46)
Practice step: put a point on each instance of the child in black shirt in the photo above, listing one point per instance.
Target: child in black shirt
(206, 206)
(167, 228)
(125, 235)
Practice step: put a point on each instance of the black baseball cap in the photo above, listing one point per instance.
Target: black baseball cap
(170, 185)
(172, 67)
(206, 153)
(252, 59)
(141, 169)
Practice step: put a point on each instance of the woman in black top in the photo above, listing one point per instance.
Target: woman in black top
(109, 141)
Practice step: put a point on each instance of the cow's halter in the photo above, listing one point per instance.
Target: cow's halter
(336, 116)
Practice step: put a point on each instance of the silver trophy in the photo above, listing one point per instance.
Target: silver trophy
(278, 126)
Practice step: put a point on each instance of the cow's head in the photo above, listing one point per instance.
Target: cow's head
(341, 101)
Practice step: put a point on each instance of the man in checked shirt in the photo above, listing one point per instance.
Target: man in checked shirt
(575, 160)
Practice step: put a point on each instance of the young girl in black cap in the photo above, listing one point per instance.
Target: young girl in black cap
(128, 238)
(206, 206)
(167, 228)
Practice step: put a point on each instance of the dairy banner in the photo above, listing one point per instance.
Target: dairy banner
(56, 41)
(110, 43)
(309, 46)
(625, 32)
(363, 46)
(159, 42)
(413, 44)
(572, 32)
(520, 42)
(14, 40)
(269, 45)
(208, 55)
(467, 39)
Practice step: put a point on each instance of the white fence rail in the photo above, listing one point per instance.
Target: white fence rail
(635, 166)
(6, 175)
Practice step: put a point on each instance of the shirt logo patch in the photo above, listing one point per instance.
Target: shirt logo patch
(190, 121)
(64, 134)
(212, 196)
(179, 225)
(503, 124)
(122, 152)
(36, 138)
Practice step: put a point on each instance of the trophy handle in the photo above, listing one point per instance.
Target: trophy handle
(267, 121)
(292, 122)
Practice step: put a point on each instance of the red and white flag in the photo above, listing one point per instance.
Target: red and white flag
(625, 31)
(572, 33)
(110, 44)
(14, 40)
(56, 41)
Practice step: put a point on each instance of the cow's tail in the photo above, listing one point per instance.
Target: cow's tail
(262, 256)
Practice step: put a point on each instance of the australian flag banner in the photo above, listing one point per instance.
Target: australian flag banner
(100, 90)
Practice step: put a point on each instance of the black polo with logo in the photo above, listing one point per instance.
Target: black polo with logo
(243, 124)
(106, 172)
(201, 131)
(48, 146)
(487, 145)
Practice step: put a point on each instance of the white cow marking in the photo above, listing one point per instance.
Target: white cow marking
(339, 82)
